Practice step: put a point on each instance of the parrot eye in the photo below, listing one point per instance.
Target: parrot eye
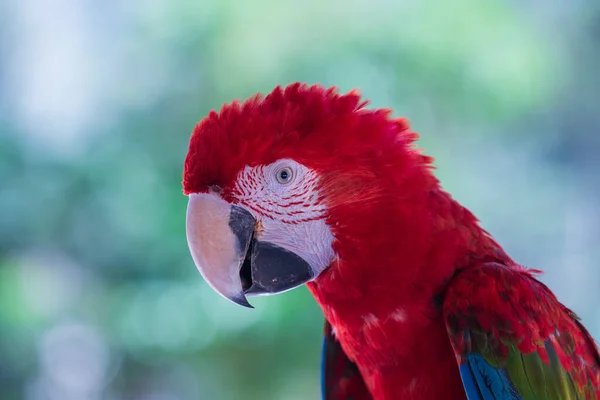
(284, 175)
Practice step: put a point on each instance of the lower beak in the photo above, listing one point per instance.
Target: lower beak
(230, 257)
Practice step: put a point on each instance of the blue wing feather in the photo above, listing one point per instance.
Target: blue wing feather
(513, 340)
(485, 382)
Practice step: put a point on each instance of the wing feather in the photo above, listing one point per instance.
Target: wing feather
(514, 340)
(340, 377)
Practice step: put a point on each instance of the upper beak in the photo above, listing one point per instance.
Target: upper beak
(231, 259)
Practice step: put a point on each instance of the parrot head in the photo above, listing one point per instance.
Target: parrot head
(282, 187)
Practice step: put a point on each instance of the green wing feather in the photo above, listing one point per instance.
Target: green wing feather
(514, 340)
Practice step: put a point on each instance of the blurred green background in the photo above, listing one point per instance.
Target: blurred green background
(99, 298)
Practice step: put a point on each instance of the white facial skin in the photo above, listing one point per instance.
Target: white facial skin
(283, 197)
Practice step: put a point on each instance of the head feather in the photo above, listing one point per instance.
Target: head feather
(314, 125)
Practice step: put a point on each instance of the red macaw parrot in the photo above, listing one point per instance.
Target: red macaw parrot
(306, 185)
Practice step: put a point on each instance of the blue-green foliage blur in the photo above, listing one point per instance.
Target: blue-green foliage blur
(99, 298)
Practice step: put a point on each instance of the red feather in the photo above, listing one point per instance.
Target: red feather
(399, 237)
(341, 378)
(508, 306)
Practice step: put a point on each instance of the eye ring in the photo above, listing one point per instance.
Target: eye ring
(284, 175)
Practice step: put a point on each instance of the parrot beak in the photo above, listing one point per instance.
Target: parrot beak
(222, 241)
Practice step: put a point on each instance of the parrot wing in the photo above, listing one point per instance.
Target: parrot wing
(514, 340)
(340, 377)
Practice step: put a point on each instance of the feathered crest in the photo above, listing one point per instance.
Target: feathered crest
(310, 123)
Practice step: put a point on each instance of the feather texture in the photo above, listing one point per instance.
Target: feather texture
(340, 377)
(403, 315)
(514, 340)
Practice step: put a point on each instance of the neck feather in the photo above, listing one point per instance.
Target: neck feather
(394, 268)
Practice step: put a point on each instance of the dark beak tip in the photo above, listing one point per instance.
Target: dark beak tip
(242, 301)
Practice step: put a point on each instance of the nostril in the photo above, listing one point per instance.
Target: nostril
(215, 189)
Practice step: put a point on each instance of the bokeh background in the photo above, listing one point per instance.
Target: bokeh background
(99, 298)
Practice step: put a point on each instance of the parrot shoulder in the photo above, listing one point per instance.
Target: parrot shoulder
(513, 339)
